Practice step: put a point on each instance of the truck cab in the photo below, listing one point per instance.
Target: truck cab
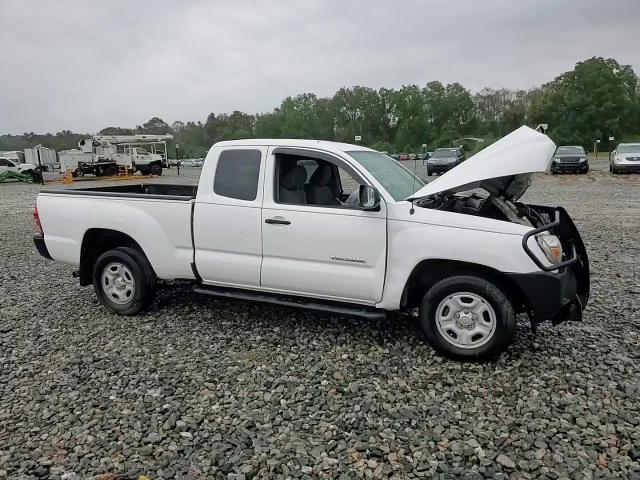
(145, 162)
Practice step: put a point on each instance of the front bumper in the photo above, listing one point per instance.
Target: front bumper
(570, 167)
(38, 241)
(550, 296)
(559, 293)
(439, 168)
(626, 167)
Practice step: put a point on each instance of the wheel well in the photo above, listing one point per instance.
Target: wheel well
(428, 272)
(96, 241)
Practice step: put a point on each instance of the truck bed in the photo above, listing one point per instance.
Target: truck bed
(155, 216)
(140, 190)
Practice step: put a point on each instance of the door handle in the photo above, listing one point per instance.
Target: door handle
(277, 221)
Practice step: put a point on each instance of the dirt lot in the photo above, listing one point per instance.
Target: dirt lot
(200, 388)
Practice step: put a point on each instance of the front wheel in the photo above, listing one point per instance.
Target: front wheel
(33, 175)
(124, 280)
(156, 169)
(467, 318)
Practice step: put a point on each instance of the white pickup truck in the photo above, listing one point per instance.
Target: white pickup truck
(12, 165)
(336, 227)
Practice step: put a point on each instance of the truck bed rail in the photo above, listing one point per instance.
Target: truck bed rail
(141, 190)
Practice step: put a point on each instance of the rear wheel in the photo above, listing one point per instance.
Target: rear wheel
(468, 318)
(111, 171)
(124, 281)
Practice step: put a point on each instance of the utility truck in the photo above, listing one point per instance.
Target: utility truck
(104, 154)
(336, 227)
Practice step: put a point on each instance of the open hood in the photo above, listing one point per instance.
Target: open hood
(503, 168)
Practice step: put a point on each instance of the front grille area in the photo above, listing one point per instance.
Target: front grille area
(633, 159)
(569, 159)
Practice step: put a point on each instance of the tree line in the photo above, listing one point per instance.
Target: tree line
(596, 100)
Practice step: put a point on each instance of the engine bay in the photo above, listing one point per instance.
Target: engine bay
(479, 202)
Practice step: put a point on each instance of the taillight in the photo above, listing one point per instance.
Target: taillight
(36, 221)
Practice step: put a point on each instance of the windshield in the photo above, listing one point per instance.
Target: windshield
(566, 150)
(629, 148)
(445, 153)
(397, 180)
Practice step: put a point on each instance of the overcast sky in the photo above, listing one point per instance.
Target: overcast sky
(84, 65)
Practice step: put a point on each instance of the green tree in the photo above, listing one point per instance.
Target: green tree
(595, 100)
(359, 111)
(155, 126)
(306, 116)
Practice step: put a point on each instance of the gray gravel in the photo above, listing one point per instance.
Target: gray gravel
(200, 388)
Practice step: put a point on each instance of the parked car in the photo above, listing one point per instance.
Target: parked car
(444, 159)
(403, 156)
(625, 158)
(570, 159)
(336, 227)
(10, 165)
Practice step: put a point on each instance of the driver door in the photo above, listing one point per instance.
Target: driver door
(335, 252)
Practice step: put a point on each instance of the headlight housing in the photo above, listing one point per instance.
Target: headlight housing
(556, 159)
(551, 246)
(618, 158)
(583, 159)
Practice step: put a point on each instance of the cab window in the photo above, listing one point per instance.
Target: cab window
(237, 174)
(313, 181)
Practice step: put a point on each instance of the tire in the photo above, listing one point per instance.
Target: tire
(111, 171)
(36, 175)
(124, 281)
(156, 169)
(145, 171)
(474, 341)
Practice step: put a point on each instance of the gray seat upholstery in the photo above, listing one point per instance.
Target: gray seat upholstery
(291, 187)
(318, 190)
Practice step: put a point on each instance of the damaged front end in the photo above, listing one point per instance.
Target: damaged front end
(559, 291)
(489, 185)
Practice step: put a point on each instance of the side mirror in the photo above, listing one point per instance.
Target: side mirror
(368, 198)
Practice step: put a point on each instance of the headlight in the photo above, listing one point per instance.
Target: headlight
(618, 158)
(431, 160)
(551, 246)
(556, 159)
(582, 159)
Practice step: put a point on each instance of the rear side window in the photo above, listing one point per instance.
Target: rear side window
(237, 174)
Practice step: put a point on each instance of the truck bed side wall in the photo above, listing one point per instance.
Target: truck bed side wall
(162, 228)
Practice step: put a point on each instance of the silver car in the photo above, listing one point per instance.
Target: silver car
(625, 158)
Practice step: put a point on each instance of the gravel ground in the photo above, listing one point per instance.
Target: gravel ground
(204, 388)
